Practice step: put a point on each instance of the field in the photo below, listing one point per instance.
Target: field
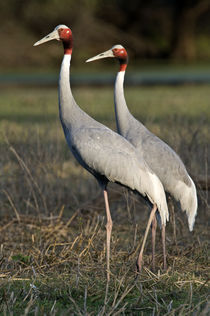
(52, 231)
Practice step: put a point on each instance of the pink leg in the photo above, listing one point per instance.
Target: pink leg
(154, 227)
(139, 260)
(108, 233)
(163, 235)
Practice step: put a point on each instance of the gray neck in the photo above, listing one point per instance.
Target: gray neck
(122, 113)
(68, 109)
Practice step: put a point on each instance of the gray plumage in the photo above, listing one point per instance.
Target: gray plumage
(162, 159)
(104, 153)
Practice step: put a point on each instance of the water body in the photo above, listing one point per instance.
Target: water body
(106, 79)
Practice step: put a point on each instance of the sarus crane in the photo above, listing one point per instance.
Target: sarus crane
(161, 158)
(104, 153)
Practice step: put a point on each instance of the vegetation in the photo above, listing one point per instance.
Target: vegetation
(52, 232)
(161, 30)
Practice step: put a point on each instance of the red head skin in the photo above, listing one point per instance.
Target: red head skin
(122, 56)
(67, 39)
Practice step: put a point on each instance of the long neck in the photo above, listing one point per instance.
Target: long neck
(121, 110)
(68, 108)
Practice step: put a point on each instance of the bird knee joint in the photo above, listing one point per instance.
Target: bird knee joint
(109, 225)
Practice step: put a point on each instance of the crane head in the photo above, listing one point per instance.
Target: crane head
(117, 51)
(61, 33)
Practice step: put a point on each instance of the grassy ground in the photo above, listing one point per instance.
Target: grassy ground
(52, 231)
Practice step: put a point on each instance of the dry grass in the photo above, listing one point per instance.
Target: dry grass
(58, 266)
(52, 232)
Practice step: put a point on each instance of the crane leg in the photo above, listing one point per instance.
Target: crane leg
(163, 235)
(139, 260)
(154, 227)
(108, 233)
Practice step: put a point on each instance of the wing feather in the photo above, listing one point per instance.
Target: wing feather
(108, 154)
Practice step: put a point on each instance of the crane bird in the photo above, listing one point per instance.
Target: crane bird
(104, 153)
(161, 158)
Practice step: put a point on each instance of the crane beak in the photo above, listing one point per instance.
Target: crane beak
(108, 53)
(51, 36)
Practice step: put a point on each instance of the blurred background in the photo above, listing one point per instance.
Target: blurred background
(52, 205)
(166, 84)
(160, 35)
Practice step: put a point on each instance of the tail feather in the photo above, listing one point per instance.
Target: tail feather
(191, 206)
(187, 196)
(156, 194)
